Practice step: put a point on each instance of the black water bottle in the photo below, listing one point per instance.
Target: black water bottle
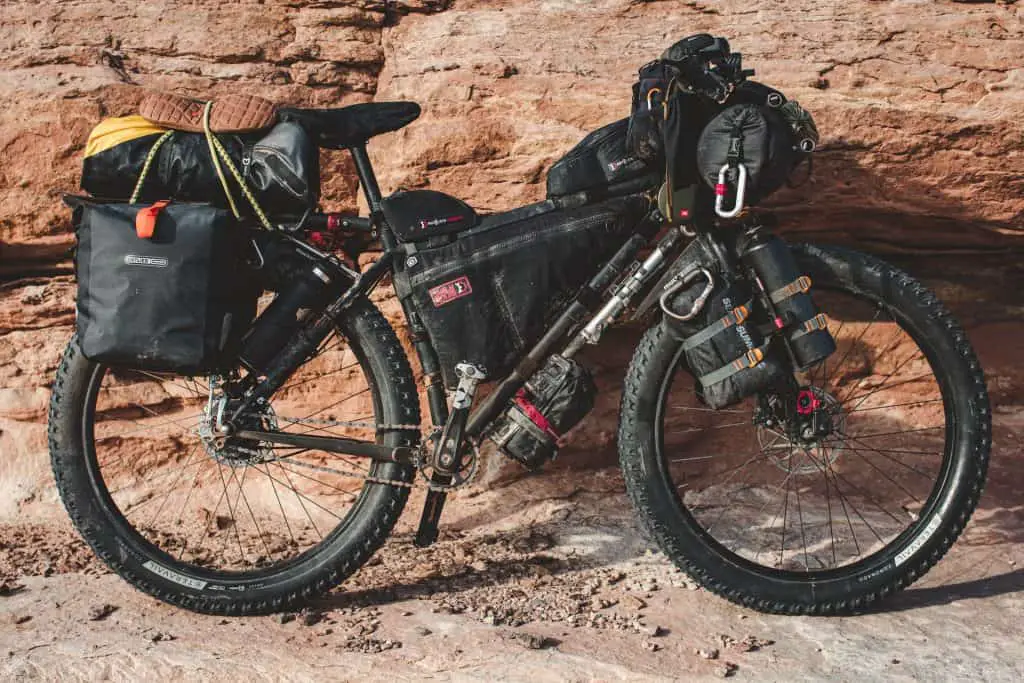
(789, 290)
(306, 296)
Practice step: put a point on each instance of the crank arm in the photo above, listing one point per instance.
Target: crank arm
(332, 444)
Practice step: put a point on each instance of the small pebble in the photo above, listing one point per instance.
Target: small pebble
(101, 612)
(726, 669)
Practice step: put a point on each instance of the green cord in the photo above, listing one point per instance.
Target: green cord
(145, 167)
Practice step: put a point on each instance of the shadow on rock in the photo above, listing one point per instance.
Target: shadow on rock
(916, 598)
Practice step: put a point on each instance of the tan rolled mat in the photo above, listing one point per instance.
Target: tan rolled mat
(230, 114)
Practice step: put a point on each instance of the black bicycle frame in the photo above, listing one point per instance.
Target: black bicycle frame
(593, 301)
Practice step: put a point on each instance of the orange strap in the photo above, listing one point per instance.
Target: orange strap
(145, 219)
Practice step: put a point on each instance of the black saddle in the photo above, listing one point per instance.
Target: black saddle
(352, 126)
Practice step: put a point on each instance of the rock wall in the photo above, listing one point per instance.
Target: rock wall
(920, 104)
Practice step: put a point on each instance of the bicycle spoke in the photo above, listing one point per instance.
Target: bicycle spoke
(860, 437)
(284, 516)
(249, 508)
(895, 405)
(885, 453)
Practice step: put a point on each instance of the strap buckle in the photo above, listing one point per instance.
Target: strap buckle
(801, 285)
(818, 322)
(750, 359)
(737, 316)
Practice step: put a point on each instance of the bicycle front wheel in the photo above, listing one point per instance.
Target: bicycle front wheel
(772, 519)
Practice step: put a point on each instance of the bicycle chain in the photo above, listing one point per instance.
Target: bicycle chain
(370, 425)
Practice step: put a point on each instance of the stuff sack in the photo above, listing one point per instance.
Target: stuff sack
(761, 130)
(280, 166)
(177, 301)
(711, 315)
(601, 166)
(552, 402)
(788, 289)
(486, 296)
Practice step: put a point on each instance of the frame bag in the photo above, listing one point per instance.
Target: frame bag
(486, 295)
(160, 287)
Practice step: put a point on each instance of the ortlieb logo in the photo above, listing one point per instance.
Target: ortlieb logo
(151, 261)
(450, 291)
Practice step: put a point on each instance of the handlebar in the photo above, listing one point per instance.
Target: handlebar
(707, 66)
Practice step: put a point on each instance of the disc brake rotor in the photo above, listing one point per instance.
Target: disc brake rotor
(798, 447)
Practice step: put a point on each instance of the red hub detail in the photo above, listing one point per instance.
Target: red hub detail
(807, 402)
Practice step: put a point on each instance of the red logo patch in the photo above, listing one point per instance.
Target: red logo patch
(450, 291)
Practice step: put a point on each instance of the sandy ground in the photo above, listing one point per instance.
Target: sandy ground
(564, 589)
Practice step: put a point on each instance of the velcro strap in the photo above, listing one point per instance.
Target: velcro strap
(801, 285)
(145, 219)
(734, 317)
(818, 322)
(748, 360)
(536, 417)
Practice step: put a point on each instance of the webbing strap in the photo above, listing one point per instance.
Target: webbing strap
(145, 166)
(217, 150)
(748, 360)
(818, 322)
(733, 317)
(801, 285)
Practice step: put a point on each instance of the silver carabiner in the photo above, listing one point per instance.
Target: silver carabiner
(722, 187)
(678, 283)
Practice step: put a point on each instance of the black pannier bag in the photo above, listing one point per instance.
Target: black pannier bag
(729, 357)
(601, 165)
(281, 166)
(486, 296)
(554, 400)
(178, 301)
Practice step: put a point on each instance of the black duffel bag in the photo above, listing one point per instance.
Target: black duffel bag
(280, 166)
(176, 301)
(487, 295)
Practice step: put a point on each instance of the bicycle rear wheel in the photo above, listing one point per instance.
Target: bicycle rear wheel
(771, 518)
(240, 527)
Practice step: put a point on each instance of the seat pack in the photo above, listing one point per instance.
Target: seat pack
(281, 165)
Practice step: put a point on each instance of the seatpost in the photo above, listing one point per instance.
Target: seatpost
(367, 178)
